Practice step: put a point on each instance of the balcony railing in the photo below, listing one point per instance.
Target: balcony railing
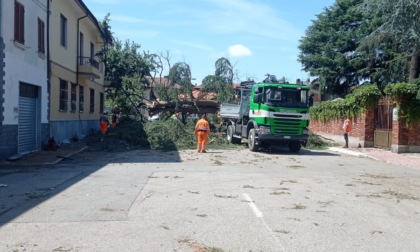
(89, 67)
(89, 61)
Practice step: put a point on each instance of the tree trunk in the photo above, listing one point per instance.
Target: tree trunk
(414, 64)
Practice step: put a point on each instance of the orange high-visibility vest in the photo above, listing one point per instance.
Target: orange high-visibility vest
(347, 127)
(202, 125)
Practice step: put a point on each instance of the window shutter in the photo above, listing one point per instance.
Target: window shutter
(43, 37)
(39, 36)
(16, 37)
(22, 24)
(19, 31)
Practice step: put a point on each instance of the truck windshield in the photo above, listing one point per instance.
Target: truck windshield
(284, 97)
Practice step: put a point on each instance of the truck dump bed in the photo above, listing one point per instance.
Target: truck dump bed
(230, 111)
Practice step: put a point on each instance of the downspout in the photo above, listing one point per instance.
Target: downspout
(77, 48)
(48, 68)
(78, 61)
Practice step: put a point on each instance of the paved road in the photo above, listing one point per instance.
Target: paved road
(219, 201)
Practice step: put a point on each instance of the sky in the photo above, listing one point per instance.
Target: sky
(259, 37)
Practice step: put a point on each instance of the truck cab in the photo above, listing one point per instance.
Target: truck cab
(270, 113)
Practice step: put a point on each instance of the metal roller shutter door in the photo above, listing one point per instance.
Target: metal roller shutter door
(27, 124)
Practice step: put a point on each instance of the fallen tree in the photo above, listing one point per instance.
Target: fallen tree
(184, 107)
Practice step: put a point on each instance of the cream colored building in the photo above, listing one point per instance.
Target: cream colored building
(77, 76)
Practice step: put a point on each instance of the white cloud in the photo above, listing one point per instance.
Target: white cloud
(239, 51)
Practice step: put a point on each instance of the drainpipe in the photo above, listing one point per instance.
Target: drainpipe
(77, 48)
(48, 67)
(77, 60)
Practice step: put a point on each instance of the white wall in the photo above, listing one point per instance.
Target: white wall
(23, 63)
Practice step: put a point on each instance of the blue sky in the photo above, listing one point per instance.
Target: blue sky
(259, 37)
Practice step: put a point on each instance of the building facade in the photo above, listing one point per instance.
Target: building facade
(77, 76)
(23, 76)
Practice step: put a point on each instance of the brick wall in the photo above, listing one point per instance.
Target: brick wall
(414, 133)
(399, 133)
(404, 138)
(363, 128)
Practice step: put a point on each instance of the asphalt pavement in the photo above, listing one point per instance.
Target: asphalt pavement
(222, 200)
(66, 151)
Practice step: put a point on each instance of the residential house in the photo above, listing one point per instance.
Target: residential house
(77, 76)
(23, 76)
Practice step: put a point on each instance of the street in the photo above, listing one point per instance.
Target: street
(223, 200)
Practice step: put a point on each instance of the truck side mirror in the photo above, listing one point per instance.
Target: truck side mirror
(257, 98)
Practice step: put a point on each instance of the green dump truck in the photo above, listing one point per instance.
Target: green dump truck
(269, 113)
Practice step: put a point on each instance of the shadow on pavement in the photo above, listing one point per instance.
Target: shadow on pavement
(302, 152)
(27, 183)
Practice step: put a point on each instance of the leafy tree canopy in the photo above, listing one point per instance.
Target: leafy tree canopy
(329, 48)
(128, 70)
(400, 22)
(221, 81)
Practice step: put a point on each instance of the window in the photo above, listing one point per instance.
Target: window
(73, 96)
(101, 102)
(19, 23)
(81, 98)
(92, 101)
(63, 31)
(63, 95)
(81, 49)
(41, 36)
(92, 51)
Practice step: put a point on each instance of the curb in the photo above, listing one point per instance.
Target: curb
(350, 152)
(69, 155)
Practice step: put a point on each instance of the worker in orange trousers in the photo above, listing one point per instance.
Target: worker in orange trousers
(104, 122)
(202, 130)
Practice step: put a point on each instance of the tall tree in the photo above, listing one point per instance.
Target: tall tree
(224, 70)
(108, 37)
(401, 20)
(221, 81)
(128, 70)
(329, 48)
(180, 74)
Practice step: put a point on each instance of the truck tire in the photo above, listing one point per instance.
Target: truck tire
(294, 147)
(229, 136)
(252, 143)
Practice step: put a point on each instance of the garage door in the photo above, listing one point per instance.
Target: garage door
(27, 124)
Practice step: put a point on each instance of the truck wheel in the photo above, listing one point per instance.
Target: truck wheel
(229, 135)
(294, 147)
(252, 145)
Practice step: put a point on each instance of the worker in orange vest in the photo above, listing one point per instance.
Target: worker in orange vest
(104, 122)
(347, 127)
(202, 130)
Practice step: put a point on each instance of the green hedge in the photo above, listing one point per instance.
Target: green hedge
(404, 95)
(353, 105)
